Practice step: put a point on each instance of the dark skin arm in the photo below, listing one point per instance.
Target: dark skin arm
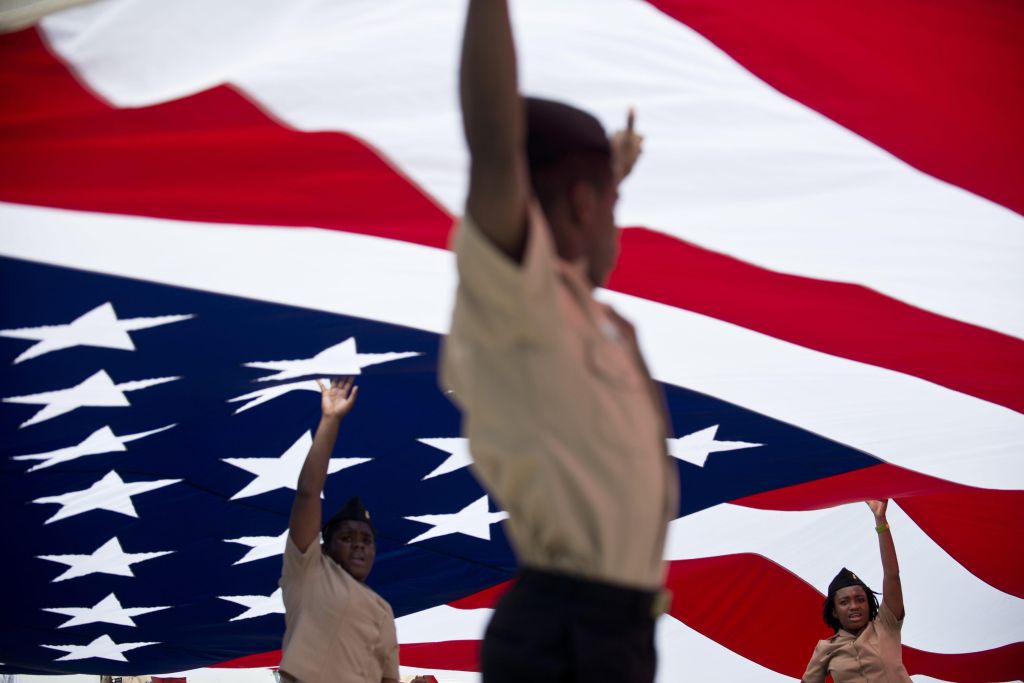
(494, 125)
(495, 128)
(892, 588)
(336, 401)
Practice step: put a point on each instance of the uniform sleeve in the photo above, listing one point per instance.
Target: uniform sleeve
(817, 668)
(389, 647)
(296, 562)
(500, 301)
(887, 620)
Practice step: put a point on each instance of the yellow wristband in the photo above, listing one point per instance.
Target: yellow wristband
(882, 527)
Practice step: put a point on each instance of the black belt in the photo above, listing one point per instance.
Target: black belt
(632, 602)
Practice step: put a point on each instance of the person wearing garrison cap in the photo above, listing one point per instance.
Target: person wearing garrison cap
(337, 630)
(866, 647)
(566, 427)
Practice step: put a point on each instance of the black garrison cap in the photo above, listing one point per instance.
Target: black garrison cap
(555, 130)
(353, 510)
(844, 579)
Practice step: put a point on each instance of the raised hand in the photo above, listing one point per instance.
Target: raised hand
(337, 399)
(626, 146)
(878, 507)
(892, 587)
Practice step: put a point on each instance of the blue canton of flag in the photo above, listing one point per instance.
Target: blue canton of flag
(153, 437)
(150, 460)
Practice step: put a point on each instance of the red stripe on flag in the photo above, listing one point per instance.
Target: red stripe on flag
(212, 157)
(1001, 664)
(836, 318)
(935, 83)
(966, 522)
(867, 483)
(485, 599)
(451, 655)
(255, 661)
(737, 599)
(971, 525)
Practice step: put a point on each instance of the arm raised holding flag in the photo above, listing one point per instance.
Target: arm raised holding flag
(565, 425)
(492, 118)
(336, 401)
(335, 624)
(867, 644)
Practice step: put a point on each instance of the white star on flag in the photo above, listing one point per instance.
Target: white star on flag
(109, 558)
(695, 448)
(473, 520)
(270, 393)
(458, 455)
(283, 472)
(260, 546)
(334, 361)
(103, 647)
(103, 440)
(98, 391)
(100, 327)
(257, 605)
(107, 611)
(109, 493)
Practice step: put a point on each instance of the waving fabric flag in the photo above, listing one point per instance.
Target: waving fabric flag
(203, 207)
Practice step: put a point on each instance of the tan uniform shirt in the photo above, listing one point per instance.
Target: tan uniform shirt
(875, 656)
(566, 428)
(337, 629)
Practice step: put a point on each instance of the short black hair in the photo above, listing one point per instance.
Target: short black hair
(564, 145)
(833, 622)
(555, 130)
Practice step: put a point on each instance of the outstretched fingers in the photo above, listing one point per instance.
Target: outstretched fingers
(338, 398)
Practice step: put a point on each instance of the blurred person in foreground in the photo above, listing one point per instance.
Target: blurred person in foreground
(566, 426)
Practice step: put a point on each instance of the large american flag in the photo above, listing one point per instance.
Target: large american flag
(207, 205)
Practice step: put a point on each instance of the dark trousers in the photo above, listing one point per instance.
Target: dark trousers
(554, 628)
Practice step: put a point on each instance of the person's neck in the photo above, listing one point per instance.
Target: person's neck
(580, 269)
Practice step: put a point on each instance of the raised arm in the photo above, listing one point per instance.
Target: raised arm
(335, 403)
(494, 123)
(892, 589)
